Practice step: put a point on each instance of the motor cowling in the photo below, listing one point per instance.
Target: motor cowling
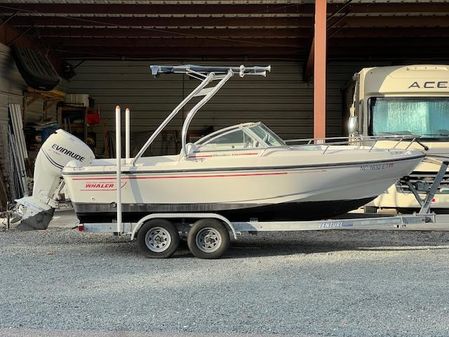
(59, 149)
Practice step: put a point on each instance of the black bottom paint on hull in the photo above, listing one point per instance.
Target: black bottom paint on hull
(277, 212)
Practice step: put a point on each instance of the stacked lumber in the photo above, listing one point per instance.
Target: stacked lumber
(17, 153)
(3, 195)
(4, 162)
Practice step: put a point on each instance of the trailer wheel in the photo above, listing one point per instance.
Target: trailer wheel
(208, 239)
(158, 238)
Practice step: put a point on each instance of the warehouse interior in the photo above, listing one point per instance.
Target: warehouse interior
(102, 50)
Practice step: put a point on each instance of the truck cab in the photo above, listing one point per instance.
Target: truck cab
(411, 101)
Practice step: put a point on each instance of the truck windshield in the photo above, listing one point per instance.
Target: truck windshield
(427, 117)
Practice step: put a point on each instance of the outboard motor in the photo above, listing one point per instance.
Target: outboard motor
(36, 211)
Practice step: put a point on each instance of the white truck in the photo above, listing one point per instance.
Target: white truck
(406, 100)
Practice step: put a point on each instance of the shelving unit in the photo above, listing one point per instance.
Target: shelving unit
(72, 118)
(49, 98)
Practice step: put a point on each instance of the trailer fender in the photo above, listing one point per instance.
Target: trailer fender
(226, 222)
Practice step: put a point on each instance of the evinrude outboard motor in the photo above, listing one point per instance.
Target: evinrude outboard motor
(36, 211)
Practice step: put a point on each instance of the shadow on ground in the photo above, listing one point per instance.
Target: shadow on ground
(283, 244)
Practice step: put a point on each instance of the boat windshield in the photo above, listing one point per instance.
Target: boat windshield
(267, 135)
(242, 136)
(427, 117)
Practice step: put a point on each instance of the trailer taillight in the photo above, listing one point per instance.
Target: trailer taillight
(81, 227)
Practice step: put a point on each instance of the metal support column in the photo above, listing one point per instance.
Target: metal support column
(319, 77)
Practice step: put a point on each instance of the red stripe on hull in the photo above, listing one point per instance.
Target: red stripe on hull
(189, 176)
(227, 155)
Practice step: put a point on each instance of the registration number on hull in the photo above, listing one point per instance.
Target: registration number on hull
(376, 167)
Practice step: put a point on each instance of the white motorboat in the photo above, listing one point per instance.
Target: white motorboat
(241, 172)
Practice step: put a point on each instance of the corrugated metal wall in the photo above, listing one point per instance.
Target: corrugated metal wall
(11, 87)
(282, 100)
(11, 82)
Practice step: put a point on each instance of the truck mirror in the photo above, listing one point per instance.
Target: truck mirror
(352, 124)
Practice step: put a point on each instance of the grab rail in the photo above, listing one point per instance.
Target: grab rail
(370, 141)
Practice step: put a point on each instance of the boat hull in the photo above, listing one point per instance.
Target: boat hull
(274, 193)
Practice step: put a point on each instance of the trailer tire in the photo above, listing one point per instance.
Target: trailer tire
(208, 239)
(158, 238)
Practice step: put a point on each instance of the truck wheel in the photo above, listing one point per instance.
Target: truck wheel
(208, 239)
(158, 238)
